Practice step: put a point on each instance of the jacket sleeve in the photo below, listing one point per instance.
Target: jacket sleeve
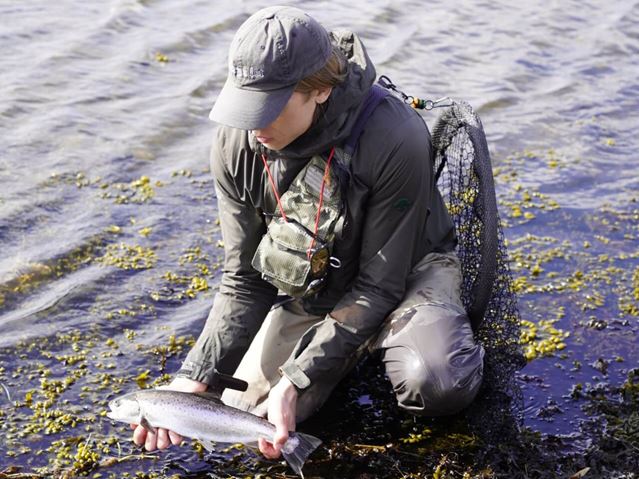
(399, 175)
(244, 298)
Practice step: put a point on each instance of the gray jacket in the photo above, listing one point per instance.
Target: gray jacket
(394, 217)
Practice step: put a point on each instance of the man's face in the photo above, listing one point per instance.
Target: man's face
(293, 121)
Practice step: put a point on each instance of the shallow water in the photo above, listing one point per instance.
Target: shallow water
(104, 142)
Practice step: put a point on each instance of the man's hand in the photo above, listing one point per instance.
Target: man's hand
(282, 404)
(164, 438)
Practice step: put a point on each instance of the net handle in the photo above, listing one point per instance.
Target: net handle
(461, 115)
(483, 287)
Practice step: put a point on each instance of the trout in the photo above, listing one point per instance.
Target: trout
(204, 417)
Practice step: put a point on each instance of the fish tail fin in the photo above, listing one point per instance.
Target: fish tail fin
(297, 449)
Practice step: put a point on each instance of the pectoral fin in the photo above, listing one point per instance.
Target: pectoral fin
(208, 445)
(146, 425)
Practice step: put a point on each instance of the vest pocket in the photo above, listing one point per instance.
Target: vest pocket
(287, 268)
(289, 235)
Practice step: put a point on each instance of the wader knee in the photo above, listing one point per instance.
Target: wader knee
(436, 385)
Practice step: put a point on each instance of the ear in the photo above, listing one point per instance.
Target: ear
(322, 95)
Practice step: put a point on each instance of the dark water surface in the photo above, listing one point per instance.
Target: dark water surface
(110, 250)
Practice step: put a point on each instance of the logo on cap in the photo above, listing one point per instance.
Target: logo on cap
(252, 73)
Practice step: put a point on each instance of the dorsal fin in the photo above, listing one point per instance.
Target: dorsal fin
(211, 396)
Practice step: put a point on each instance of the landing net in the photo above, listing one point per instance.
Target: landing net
(464, 177)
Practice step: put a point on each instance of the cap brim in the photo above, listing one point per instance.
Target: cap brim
(249, 109)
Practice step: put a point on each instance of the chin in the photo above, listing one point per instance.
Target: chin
(273, 146)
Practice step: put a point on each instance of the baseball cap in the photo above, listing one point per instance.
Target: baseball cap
(271, 52)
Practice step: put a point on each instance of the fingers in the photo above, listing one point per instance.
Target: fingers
(163, 439)
(273, 450)
(139, 435)
(267, 449)
(176, 439)
(281, 436)
(151, 443)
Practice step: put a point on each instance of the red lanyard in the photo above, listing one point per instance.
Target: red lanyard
(321, 195)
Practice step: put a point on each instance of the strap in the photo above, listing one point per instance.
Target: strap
(375, 95)
(274, 188)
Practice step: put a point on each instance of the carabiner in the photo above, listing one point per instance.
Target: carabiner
(430, 104)
(389, 85)
(314, 286)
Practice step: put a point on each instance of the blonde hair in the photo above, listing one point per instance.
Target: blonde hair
(331, 74)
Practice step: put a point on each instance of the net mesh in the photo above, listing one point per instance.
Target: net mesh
(465, 179)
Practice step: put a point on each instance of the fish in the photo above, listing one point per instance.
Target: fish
(204, 417)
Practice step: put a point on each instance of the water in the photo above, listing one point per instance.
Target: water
(104, 142)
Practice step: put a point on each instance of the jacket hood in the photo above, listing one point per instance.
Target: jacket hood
(341, 108)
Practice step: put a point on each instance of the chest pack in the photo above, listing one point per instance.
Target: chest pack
(295, 254)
